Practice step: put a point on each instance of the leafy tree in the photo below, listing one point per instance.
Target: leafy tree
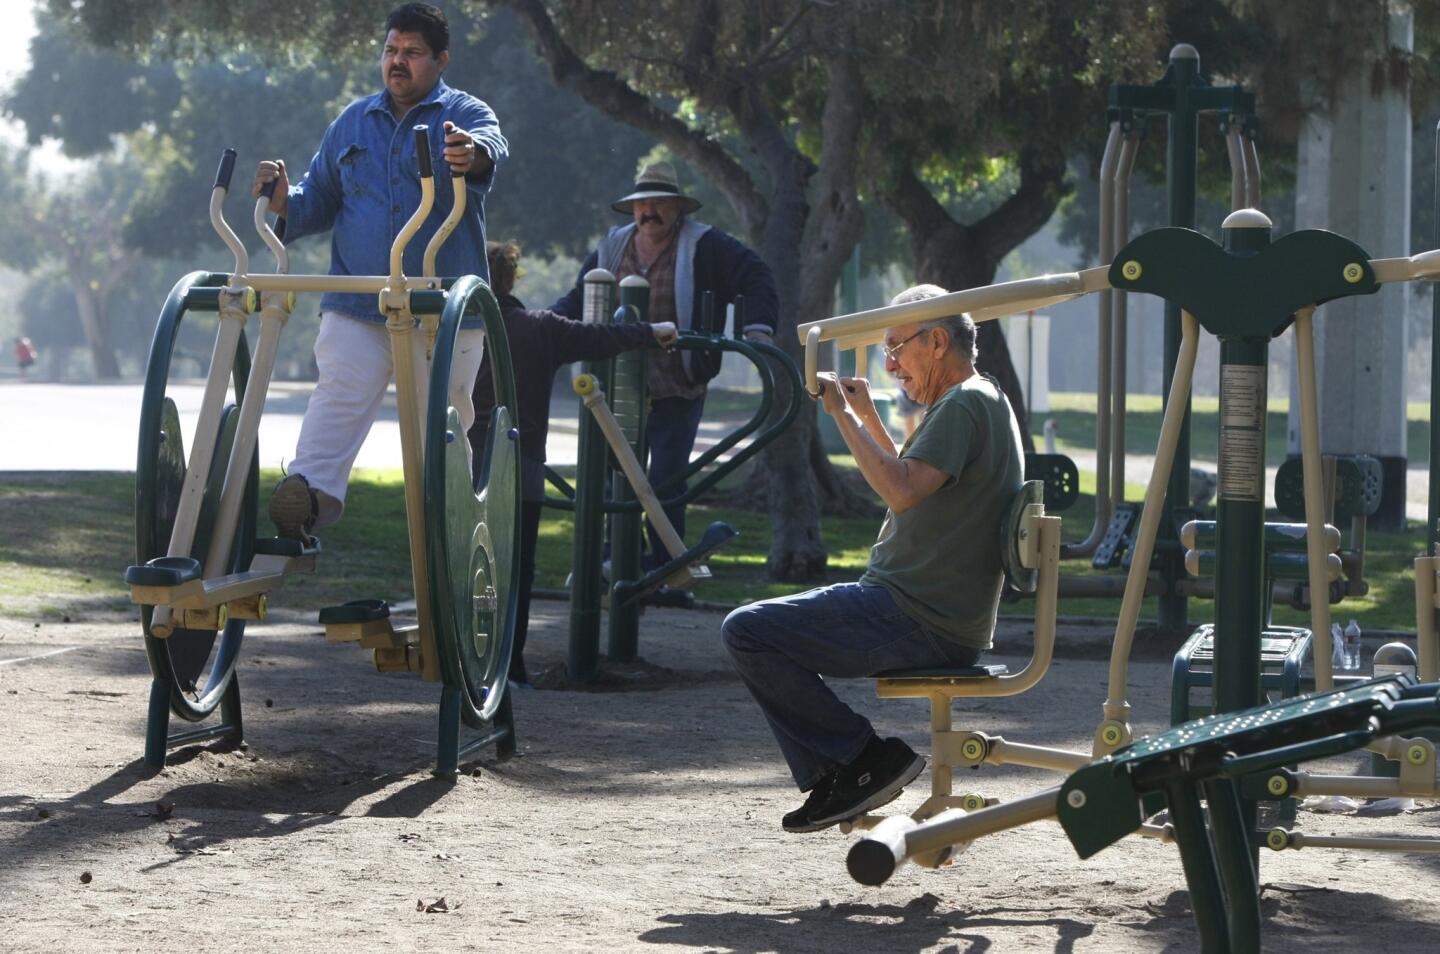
(76, 229)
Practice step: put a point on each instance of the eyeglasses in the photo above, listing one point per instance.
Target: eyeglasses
(892, 352)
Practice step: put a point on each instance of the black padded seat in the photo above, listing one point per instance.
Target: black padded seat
(962, 672)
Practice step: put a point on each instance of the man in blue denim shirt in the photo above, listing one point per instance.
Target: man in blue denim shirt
(363, 184)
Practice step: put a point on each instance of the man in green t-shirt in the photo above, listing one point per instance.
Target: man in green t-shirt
(930, 592)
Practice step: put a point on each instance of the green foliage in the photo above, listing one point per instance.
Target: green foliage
(77, 573)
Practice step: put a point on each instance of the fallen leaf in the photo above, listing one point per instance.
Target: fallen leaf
(438, 906)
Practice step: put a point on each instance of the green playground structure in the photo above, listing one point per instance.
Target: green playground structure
(611, 447)
(1244, 291)
(202, 572)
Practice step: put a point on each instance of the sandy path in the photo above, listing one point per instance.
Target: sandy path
(635, 820)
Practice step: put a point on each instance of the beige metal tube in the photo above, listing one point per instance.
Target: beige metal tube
(457, 186)
(353, 284)
(1355, 786)
(1427, 650)
(410, 390)
(1119, 325)
(274, 313)
(268, 236)
(812, 360)
(1001, 752)
(1104, 325)
(1419, 845)
(594, 400)
(1252, 173)
(1236, 151)
(930, 836)
(226, 233)
(1314, 497)
(207, 435)
(401, 326)
(411, 226)
(1015, 296)
(1116, 707)
(1422, 265)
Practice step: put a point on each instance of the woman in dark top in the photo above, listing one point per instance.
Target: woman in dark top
(540, 343)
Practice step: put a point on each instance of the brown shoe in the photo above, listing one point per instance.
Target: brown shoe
(293, 508)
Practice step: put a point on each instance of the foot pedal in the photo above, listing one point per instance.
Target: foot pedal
(164, 580)
(1116, 539)
(364, 621)
(289, 547)
(715, 536)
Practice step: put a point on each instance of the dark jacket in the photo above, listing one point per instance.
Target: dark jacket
(541, 342)
(722, 265)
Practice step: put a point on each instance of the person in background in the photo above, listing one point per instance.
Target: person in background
(540, 343)
(681, 258)
(25, 354)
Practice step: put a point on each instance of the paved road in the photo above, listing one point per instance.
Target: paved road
(94, 427)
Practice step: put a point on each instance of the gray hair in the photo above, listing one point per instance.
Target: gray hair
(959, 327)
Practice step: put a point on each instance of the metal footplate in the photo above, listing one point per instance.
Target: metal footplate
(368, 623)
(199, 603)
(1117, 538)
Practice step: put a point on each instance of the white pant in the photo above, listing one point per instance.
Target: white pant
(356, 365)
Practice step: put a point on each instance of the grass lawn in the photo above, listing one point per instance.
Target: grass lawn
(53, 565)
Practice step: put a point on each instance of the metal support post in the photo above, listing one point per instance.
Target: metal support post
(627, 530)
(583, 660)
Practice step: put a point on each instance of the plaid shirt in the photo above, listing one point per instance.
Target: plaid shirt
(666, 376)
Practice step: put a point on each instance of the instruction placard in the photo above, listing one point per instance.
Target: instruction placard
(1242, 432)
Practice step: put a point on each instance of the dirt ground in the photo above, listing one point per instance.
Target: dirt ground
(643, 817)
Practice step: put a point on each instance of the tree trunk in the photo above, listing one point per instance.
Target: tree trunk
(956, 256)
(94, 320)
(804, 225)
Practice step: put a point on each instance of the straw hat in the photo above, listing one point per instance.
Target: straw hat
(656, 181)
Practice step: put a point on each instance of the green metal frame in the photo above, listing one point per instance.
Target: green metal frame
(178, 661)
(1110, 798)
(591, 507)
(472, 539)
(1245, 293)
(1180, 95)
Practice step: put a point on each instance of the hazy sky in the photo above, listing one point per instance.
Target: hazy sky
(19, 19)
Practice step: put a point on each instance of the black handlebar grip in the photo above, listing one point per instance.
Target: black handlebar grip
(706, 324)
(422, 150)
(226, 170)
(268, 189)
(738, 329)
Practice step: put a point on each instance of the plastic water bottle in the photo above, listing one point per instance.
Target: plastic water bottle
(1337, 647)
(1352, 645)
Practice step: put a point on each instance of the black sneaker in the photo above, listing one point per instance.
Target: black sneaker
(869, 782)
(799, 821)
(293, 508)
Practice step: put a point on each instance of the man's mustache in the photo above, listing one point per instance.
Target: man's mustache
(399, 71)
(651, 217)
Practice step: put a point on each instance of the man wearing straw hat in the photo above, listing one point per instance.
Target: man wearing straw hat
(930, 593)
(682, 259)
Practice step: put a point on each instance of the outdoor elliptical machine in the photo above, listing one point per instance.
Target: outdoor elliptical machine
(201, 572)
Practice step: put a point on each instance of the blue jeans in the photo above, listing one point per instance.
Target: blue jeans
(782, 647)
(670, 430)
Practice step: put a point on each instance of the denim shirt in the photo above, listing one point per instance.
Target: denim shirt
(364, 184)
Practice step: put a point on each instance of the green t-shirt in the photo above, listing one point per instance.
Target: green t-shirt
(941, 558)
